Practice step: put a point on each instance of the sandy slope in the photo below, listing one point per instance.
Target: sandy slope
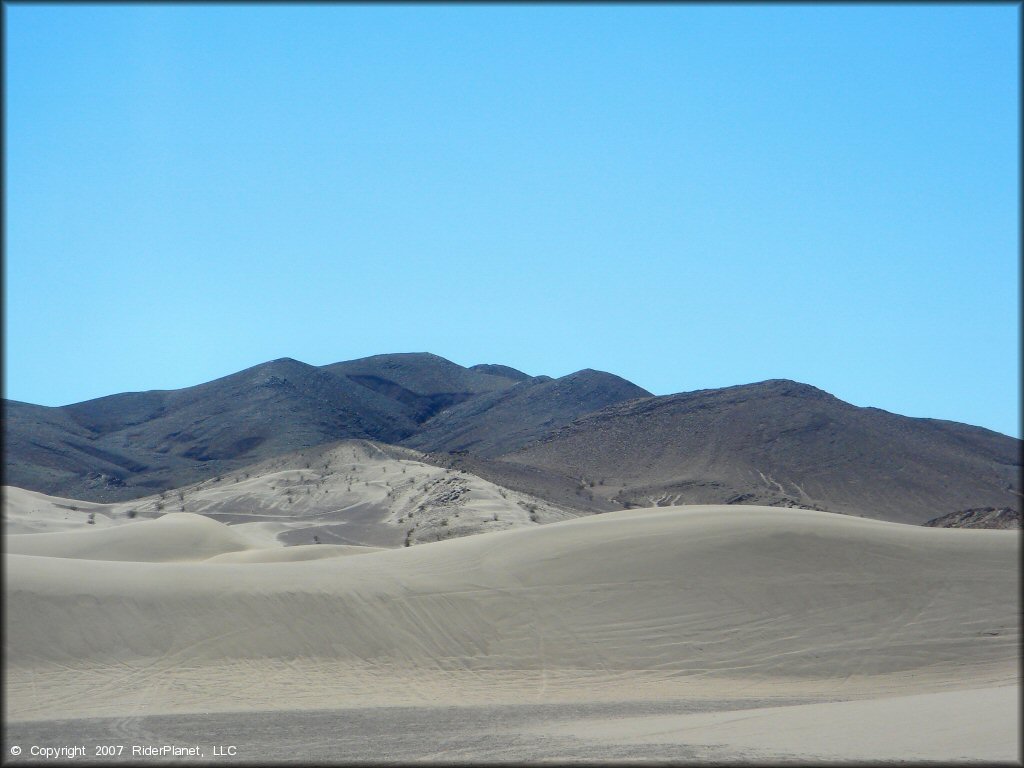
(946, 726)
(656, 605)
(32, 512)
(349, 494)
(175, 537)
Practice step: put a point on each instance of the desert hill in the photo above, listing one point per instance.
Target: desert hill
(782, 443)
(589, 441)
(129, 445)
(348, 493)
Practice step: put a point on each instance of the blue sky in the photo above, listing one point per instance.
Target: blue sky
(687, 196)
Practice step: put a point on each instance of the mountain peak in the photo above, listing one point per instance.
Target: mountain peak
(505, 371)
(790, 388)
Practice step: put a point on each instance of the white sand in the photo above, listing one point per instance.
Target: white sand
(948, 726)
(174, 537)
(32, 512)
(660, 604)
(291, 554)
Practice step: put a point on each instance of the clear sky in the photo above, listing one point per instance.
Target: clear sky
(687, 196)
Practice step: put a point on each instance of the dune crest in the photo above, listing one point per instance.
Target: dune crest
(174, 537)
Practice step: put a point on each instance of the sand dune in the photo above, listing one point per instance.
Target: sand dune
(659, 604)
(174, 537)
(292, 554)
(348, 494)
(31, 512)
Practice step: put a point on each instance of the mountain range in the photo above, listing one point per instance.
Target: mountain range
(590, 440)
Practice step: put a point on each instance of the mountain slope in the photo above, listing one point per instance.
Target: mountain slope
(783, 443)
(421, 382)
(141, 441)
(499, 422)
(984, 517)
(44, 448)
